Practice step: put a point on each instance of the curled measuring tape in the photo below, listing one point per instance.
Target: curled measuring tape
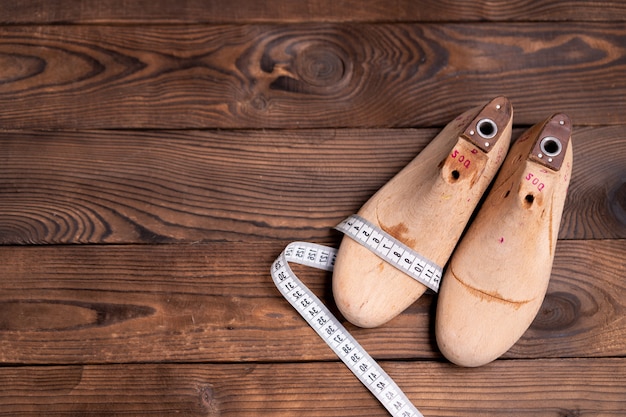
(330, 329)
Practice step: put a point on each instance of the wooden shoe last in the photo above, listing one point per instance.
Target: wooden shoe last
(498, 275)
(425, 206)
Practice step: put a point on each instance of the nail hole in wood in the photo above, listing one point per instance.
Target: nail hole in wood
(455, 175)
(529, 199)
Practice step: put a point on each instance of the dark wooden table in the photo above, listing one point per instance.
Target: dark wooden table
(156, 156)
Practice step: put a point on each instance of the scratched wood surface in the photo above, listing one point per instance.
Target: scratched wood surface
(155, 157)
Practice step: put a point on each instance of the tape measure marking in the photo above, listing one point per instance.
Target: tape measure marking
(330, 329)
(392, 250)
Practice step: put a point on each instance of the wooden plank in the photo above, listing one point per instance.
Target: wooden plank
(202, 11)
(544, 388)
(151, 187)
(598, 175)
(216, 302)
(115, 187)
(306, 75)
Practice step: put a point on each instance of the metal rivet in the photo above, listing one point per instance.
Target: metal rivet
(550, 146)
(486, 144)
(471, 132)
(486, 128)
(561, 122)
(497, 107)
(540, 155)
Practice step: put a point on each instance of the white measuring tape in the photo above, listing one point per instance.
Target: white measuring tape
(393, 251)
(328, 327)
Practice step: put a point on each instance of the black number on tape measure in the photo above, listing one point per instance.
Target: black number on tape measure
(330, 329)
(313, 312)
(393, 251)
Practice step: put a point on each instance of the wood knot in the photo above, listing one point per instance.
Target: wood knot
(259, 102)
(314, 67)
(559, 311)
(320, 65)
(206, 396)
(208, 400)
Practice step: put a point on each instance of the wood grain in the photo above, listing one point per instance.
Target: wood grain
(166, 186)
(220, 11)
(306, 75)
(216, 302)
(188, 186)
(584, 215)
(156, 156)
(545, 388)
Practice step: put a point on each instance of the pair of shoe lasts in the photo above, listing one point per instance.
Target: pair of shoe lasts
(496, 280)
